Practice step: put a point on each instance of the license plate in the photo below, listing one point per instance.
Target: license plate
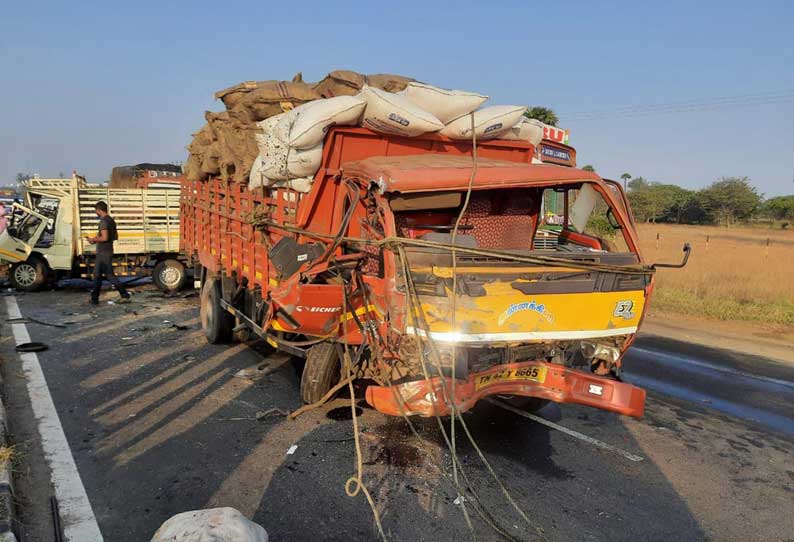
(533, 373)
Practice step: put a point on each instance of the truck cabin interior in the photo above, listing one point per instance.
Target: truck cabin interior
(564, 220)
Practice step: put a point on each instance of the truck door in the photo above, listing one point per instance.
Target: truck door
(22, 233)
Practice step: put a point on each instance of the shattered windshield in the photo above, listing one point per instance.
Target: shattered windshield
(516, 220)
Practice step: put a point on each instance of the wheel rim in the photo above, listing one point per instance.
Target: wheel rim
(170, 276)
(25, 274)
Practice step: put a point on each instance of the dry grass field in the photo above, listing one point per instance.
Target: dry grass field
(731, 275)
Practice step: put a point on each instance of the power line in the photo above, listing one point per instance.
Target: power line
(690, 106)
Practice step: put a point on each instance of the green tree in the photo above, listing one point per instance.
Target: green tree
(543, 114)
(779, 208)
(638, 183)
(731, 199)
(588, 167)
(657, 202)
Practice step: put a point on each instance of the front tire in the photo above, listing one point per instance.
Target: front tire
(216, 322)
(169, 275)
(29, 276)
(321, 372)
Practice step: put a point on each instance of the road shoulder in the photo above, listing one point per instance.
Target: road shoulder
(767, 341)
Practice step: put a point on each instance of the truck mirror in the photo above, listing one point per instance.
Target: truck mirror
(613, 221)
(687, 251)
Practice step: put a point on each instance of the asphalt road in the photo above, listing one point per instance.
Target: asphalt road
(158, 424)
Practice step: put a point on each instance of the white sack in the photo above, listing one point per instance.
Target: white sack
(257, 176)
(305, 126)
(304, 163)
(525, 130)
(395, 114)
(445, 105)
(274, 166)
(302, 185)
(489, 122)
(214, 525)
(272, 160)
(267, 138)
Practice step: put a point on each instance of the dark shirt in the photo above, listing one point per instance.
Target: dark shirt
(107, 223)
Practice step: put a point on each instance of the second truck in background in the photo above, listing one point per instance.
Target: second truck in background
(46, 238)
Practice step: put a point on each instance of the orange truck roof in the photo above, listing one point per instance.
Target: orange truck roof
(425, 172)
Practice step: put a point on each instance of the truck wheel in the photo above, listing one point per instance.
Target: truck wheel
(30, 275)
(169, 275)
(215, 321)
(320, 373)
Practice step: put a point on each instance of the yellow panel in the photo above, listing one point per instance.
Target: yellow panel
(503, 309)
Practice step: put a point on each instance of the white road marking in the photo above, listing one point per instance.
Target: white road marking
(77, 517)
(570, 432)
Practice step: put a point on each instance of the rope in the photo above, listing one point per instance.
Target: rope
(415, 305)
(393, 242)
(355, 483)
(453, 238)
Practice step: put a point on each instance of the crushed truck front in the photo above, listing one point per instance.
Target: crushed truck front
(550, 324)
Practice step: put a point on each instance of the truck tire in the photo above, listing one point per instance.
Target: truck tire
(169, 275)
(30, 275)
(216, 323)
(321, 372)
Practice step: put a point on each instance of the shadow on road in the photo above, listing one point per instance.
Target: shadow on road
(158, 425)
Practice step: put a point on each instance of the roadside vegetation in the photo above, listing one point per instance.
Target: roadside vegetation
(740, 273)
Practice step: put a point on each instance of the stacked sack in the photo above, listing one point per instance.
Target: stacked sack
(291, 144)
(226, 146)
(272, 133)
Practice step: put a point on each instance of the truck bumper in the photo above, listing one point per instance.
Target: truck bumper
(531, 379)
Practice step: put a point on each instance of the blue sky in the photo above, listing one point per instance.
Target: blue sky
(89, 85)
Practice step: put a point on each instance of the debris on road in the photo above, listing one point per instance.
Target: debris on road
(260, 370)
(212, 525)
(292, 449)
(32, 347)
(262, 414)
(31, 320)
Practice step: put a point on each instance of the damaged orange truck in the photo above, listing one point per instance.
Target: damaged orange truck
(364, 268)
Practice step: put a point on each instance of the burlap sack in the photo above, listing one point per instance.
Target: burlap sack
(235, 146)
(254, 101)
(193, 168)
(122, 177)
(349, 83)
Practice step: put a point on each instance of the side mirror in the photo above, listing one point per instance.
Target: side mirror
(612, 220)
(687, 250)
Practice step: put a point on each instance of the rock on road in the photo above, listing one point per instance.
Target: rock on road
(158, 425)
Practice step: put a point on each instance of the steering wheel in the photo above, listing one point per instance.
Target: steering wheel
(442, 227)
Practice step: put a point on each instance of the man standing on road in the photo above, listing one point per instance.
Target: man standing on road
(104, 254)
